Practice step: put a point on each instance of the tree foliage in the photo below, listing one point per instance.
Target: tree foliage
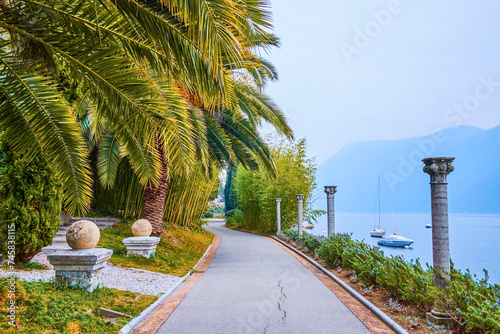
(231, 199)
(183, 75)
(31, 199)
(257, 190)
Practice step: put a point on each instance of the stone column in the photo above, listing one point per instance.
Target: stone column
(300, 199)
(438, 169)
(278, 215)
(330, 192)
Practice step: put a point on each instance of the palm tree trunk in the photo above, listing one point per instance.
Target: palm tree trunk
(154, 197)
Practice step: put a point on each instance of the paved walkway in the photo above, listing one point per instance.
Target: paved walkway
(255, 286)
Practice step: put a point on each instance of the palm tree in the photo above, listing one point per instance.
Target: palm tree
(157, 80)
(128, 59)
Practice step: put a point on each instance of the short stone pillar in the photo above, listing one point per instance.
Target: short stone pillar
(141, 243)
(65, 218)
(144, 246)
(300, 199)
(81, 266)
(438, 169)
(330, 192)
(278, 216)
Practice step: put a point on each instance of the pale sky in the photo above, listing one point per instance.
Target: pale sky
(369, 70)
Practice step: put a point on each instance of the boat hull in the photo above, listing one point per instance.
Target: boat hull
(377, 234)
(395, 243)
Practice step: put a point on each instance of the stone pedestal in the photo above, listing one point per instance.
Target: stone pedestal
(440, 319)
(330, 193)
(80, 267)
(300, 199)
(65, 218)
(144, 246)
(438, 169)
(278, 216)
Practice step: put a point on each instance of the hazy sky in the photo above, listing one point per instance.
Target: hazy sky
(368, 70)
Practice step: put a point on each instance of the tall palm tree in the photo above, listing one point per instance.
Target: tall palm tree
(158, 81)
(128, 58)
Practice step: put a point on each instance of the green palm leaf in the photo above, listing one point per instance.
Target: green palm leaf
(35, 117)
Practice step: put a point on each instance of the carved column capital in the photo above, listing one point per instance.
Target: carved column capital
(300, 197)
(438, 168)
(330, 190)
(278, 200)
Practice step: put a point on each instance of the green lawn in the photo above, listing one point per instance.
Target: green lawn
(176, 254)
(43, 308)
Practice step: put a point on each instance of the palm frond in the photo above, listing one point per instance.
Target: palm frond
(35, 117)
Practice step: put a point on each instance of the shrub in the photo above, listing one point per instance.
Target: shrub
(31, 200)
(257, 191)
(310, 241)
(234, 218)
(475, 305)
(208, 214)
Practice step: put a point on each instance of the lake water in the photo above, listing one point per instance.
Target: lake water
(474, 239)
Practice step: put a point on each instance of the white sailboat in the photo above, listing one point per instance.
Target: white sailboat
(377, 231)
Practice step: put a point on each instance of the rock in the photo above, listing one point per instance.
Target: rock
(83, 234)
(112, 314)
(142, 228)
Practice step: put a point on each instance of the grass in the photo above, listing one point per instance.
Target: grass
(29, 266)
(178, 251)
(43, 308)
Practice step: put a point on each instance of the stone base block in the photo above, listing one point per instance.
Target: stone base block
(440, 319)
(80, 267)
(143, 246)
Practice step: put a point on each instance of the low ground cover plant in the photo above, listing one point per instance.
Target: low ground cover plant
(474, 304)
(43, 308)
(177, 253)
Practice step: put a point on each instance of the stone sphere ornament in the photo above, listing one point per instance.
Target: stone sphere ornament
(83, 234)
(142, 228)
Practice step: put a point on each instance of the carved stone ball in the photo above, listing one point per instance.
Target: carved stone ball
(142, 228)
(83, 234)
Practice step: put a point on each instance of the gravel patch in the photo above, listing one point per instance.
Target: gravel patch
(116, 277)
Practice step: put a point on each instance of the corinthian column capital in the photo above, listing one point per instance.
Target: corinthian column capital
(438, 168)
(330, 190)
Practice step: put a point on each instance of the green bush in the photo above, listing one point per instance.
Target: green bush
(475, 305)
(234, 218)
(31, 200)
(208, 214)
(257, 191)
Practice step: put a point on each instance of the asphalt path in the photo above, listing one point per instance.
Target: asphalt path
(254, 286)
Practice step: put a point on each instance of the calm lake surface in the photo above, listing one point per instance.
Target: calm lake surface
(474, 239)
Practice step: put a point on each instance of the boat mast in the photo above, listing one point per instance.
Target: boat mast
(379, 201)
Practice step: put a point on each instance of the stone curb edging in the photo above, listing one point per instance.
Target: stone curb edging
(381, 315)
(137, 320)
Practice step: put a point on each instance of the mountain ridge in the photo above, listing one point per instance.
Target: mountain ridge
(474, 185)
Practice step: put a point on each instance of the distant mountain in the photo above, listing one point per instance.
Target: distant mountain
(473, 187)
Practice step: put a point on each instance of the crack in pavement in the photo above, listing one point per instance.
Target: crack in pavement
(281, 300)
